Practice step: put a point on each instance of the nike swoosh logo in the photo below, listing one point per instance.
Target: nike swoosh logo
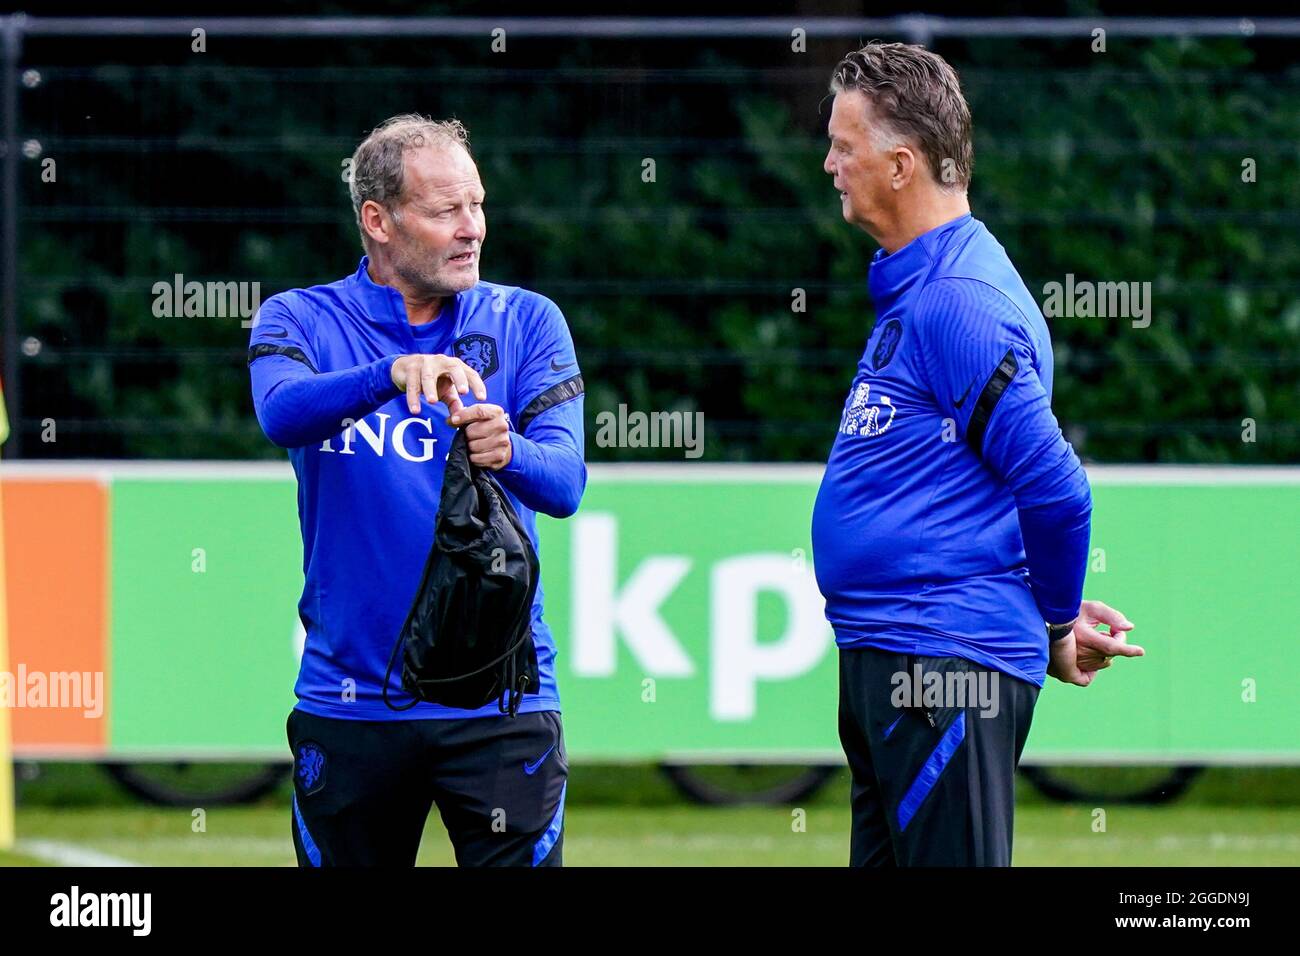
(560, 368)
(531, 768)
(276, 333)
(958, 403)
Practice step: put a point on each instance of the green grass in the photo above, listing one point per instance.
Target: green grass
(694, 836)
(620, 816)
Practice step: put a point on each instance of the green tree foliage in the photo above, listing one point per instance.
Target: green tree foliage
(1118, 167)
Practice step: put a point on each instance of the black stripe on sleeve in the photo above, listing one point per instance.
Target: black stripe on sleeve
(290, 351)
(988, 400)
(557, 394)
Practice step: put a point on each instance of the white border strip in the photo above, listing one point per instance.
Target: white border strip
(67, 854)
(106, 754)
(1045, 759)
(106, 471)
(1242, 758)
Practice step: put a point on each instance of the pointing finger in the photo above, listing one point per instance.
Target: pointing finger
(476, 383)
(1104, 614)
(479, 413)
(1108, 645)
(413, 393)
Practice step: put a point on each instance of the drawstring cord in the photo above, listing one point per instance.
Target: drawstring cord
(510, 693)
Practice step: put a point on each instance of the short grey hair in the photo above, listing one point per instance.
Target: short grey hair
(916, 96)
(377, 165)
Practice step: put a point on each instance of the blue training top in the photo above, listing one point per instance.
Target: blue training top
(370, 473)
(953, 517)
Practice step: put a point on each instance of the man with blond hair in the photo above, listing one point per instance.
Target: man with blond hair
(365, 381)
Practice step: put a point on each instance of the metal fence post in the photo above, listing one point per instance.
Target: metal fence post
(9, 80)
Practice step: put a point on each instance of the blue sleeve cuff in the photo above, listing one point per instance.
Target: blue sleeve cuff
(520, 447)
(381, 379)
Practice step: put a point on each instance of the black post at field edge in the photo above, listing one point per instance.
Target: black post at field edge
(9, 80)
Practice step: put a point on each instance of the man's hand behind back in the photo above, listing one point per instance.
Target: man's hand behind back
(1076, 658)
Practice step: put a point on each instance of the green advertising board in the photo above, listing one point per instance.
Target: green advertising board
(689, 623)
(205, 581)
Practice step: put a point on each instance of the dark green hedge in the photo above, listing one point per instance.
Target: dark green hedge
(1123, 166)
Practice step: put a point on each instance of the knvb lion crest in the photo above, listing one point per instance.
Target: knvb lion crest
(479, 352)
(862, 416)
(886, 344)
(311, 767)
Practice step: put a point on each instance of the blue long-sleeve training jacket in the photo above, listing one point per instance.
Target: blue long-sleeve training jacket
(370, 473)
(953, 517)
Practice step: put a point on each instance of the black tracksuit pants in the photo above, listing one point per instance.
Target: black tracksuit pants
(363, 788)
(933, 777)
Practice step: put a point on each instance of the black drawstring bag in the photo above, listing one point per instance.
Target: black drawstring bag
(468, 638)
